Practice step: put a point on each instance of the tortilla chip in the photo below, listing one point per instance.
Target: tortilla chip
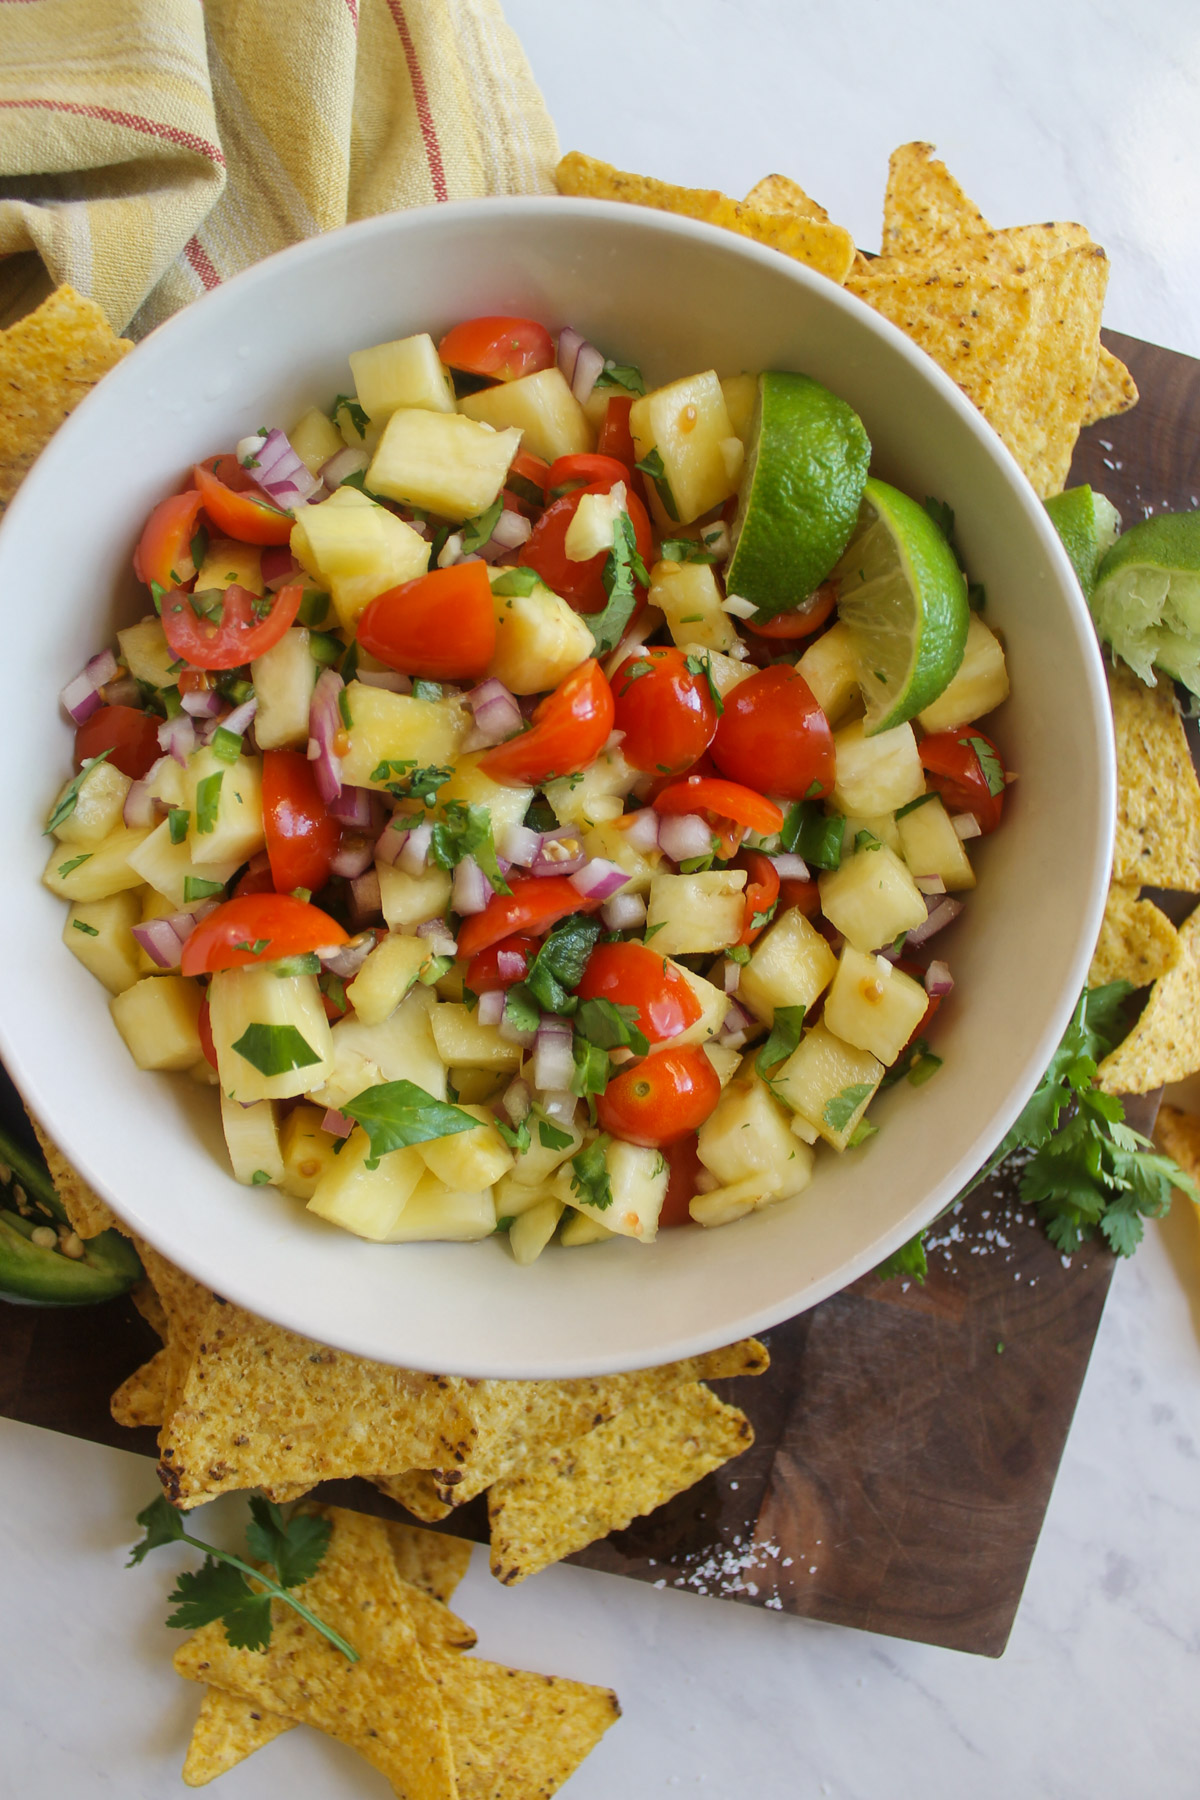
(1113, 390)
(48, 361)
(141, 1398)
(416, 1489)
(609, 1476)
(228, 1729)
(185, 1304)
(1178, 1133)
(517, 1736)
(924, 209)
(432, 1561)
(88, 1213)
(821, 245)
(779, 193)
(1164, 1045)
(145, 1298)
(260, 1405)
(1158, 795)
(1137, 942)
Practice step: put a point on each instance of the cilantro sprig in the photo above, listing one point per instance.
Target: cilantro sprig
(398, 1114)
(236, 1592)
(622, 568)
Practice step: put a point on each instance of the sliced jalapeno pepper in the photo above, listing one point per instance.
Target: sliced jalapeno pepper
(37, 1272)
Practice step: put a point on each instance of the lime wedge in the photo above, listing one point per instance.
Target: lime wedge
(1146, 601)
(806, 461)
(1088, 525)
(904, 599)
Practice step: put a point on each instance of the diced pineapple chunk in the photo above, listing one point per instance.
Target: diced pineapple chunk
(470, 786)
(401, 1049)
(407, 372)
(594, 796)
(368, 1202)
(539, 639)
(590, 532)
(225, 800)
(166, 782)
(873, 1006)
(880, 827)
(99, 805)
(831, 671)
(876, 774)
(980, 684)
(469, 1159)
(790, 965)
(436, 1213)
(689, 599)
(297, 1032)
(355, 434)
(358, 549)
(741, 392)
(638, 1179)
(147, 655)
(228, 564)
(169, 867)
(724, 1205)
(284, 677)
(578, 1229)
(542, 407)
(315, 438)
(748, 1138)
(532, 1230)
(475, 1087)
(252, 1139)
(724, 1060)
(158, 1018)
(829, 1083)
(442, 462)
(409, 900)
(714, 1004)
(306, 1148)
(872, 898)
(610, 841)
(108, 869)
(535, 1166)
(726, 671)
(688, 423)
(696, 913)
(515, 1197)
(931, 846)
(100, 934)
(461, 1039)
(389, 727)
(386, 976)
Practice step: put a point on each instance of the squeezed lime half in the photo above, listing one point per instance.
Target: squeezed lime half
(1146, 601)
(1088, 525)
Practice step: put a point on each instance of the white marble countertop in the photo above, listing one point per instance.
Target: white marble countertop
(1081, 109)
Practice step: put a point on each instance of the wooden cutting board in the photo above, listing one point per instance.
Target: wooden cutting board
(907, 1438)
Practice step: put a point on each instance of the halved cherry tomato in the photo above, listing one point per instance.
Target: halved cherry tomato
(533, 906)
(242, 632)
(580, 469)
(484, 974)
(762, 892)
(966, 781)
(130, 735)
(728, 799)
(616, 439)
(204, 1032)
(665, 710)
(800, 621)
(804, 895)
(164, 551)
(246, 515)
(774, 735)
(633, 975)
(581, 584)
(257, 928)
(302, 838)
(257, 878)
(666, 1095)
(441, 626)
(569, 729)
(525, 483)
(501, 347)
(684, 1166)
(703, 765)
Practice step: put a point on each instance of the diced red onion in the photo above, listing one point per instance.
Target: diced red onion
(732, 976)
(490, 1009)
(599, 879)
(517, 1099)
(515, 1034)
(124, 691)
(101, 668)
(391, 679)
(354, 806)
(241, 718)
(450, 551)
(684, 835)
(930, 884)
(203, 705)
(161, 942)
(349, 461)
(737, 607)
(510, 965)
(570, 342)
(345, 960)
(177, 736)
(624, 912)
(735, 1027)
(560, 1105)
(560, 853)
(141, 806)
(471, 889)
(553, 1065)
(588, 365)
(939, 917)
(518, 844)
(366, 901)
(511, 529)
(279, 471)
(938, 980)
(790, 867)
(390, 842)
(437, 934)
(354, 857)
(414, 855)
(207, 729)
(81, 696)
(278, 566)
(967, 826)
(642, 829)
(337, 1124)
(497, 711)
(324, 725)
(715, 538)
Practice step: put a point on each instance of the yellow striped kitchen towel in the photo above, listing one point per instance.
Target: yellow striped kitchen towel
(149, 149)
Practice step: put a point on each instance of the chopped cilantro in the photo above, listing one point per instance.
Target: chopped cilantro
(784, 1038)
(989, 763)
(88, 930)
(687, 550)
(196, 888)
(518, 582)
(69, 798)
(557, 969)
(476, 532)
(903, 811)
(589, 1175)
(610, 1026)
(396, 1114)
(521, 1011)
(467, 831)
(814, 835)
(551, 1138)
(838, 1112)
(76, 862)
(653, 466)
(621, 375)
(359, 419)
(623, 567)
(426, 690)
(909, 1259)
(275, 1049)
(702, 665)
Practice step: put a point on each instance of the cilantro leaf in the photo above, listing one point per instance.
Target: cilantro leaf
(942, 516)
(467, 831)
(592, 1068)
(622, 568)
(476, 532)
(521, 1010)
(161, 1524)
(687, 550)
(610, 1026)
(811, 834)
(349, 405)
(396, 1114)
(838, 1112)
(909, 1259)
(589, 1175)
(551, 1138)
(217, 1591)
(295, 1549)
(517, 583)
(69, 798)
(558, 966)
(784, 1038)
(702, 665)
(623, 376)
(652, 465)
(76, 862)
(989, 762)
(516, 1137)
(275, 1049)
(412, 782)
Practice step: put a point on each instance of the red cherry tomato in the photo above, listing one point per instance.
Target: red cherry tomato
(164, 552)
(966, 781)
(204, 1032)
(525, 483)
(242, 514)
(533, 906)
(908, 967)
(805, 895)
(666, 1095)
(302, 838)
(762, 892)
(130, 735)
(774, 735)
(578, 470)
(616, 439)
(703, 765)
(441, 626)
(800, 621)
(257, 879)
(727, 799)
(483, 971)
(665, 710)
(684, 1166)
(569, 729)
(237, 635)
(581, 584)
(500, 347)
(633, 975)
(231, 937)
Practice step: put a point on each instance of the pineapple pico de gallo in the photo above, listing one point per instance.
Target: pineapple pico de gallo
(500, 867)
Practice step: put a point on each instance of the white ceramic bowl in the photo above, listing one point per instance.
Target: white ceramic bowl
(672, 297)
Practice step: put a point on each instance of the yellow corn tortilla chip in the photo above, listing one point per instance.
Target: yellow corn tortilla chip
(1113, 390)
(779, 193)
(1178, 1133)
(1158, 795)
(820, 244)
(88, 1213)
(924, 209)
(145, 1298)
(185, 1303)
(141, 1398)
(1137, 942)
(417, 1489)
(608, 1477)
(48, 361)
(1164, 1045)
(432, 1561)
(259, 1405)
(517, 1736)
(228, 1729)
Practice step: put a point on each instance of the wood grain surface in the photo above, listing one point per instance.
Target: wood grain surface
(907, 1438)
